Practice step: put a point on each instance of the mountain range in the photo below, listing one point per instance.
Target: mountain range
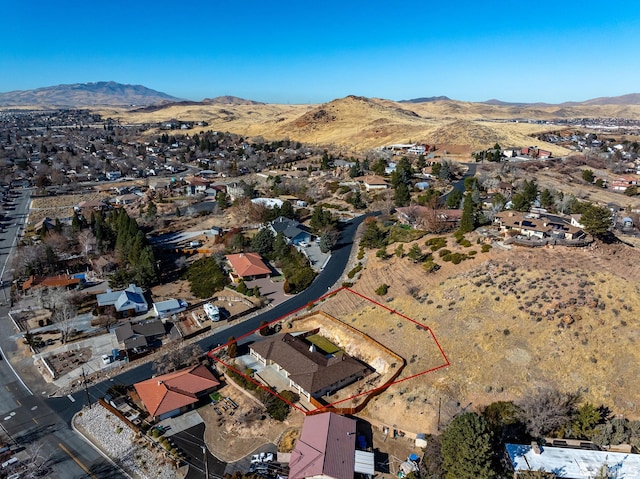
(86, 94)
(117, 94)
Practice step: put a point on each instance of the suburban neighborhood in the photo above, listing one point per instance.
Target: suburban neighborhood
(197, 303)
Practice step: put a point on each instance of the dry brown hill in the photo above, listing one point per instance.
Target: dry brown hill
(358, 123)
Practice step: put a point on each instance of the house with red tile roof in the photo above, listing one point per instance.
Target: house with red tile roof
(174, 393)
(58, 281)
(326, 448)
(248, 266)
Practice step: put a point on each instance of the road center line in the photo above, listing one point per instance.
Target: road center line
(76, 460)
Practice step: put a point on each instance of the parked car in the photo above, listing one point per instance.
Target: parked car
(106, 359)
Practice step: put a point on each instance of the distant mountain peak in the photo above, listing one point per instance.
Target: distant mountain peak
(426, 99)
(230, 100)
(108, 93)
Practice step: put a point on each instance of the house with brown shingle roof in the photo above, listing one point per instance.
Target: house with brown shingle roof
(248, 266)
(309, 371)
(174, 393)
(373, 182)
(537, 226)
(326, 448)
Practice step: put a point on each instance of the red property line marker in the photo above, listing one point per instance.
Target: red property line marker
(370, 391)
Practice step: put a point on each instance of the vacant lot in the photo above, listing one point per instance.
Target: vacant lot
(509, 322)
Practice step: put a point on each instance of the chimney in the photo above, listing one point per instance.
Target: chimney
(312, 348)
(535, 447)
(159, 382)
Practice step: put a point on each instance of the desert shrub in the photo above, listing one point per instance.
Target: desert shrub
(485, 248)
(354, 271)
(444, 252)
(436, 243)
(382, 289)
(472, 252)
(430, 266)
(457, 258)
(360, 253)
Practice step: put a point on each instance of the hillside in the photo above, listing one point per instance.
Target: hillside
(85, 94)
(358, 123)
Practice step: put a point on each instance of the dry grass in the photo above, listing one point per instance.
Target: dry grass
(510, 322)
(357, 123)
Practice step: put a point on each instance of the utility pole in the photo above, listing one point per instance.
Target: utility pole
(205, 459)
(86, 390)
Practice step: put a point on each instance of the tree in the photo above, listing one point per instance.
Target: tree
(206, 277)
(415, 253)
(63, 314)
(262, 242)
(327, 241)
(399, 251)
(232, 347)
(588, 176)
(585, 420)
(519, 202)
(454, 199)
(468, 218)
(379, 167)
(597, 220)
(466, 448)
(403, 195)
(182, 356)
(548, 411)
(373, 236)
(546, 199)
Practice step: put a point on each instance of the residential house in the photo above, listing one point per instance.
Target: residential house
(127, 199)
(140, 336)
(310, 372)
(113, 175)
(418, 217)
(171, 306)
(128, 302)
(535, 226)
(572, 463)
(196, 185)
(373, 182)
(268, 203)
(58, 281)
(326, 448)
(291, 229)
(172, 394)
(247, 266)
(622, 183)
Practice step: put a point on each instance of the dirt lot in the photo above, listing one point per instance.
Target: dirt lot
(59, 206)
(509, 322)
(232, 437)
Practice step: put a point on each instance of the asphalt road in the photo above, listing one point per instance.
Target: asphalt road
(32, 417)
(29, 417)
(26, 416)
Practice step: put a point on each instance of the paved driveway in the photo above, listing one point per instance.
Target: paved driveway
(272, 290)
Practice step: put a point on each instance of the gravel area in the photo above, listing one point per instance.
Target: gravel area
(118, 441)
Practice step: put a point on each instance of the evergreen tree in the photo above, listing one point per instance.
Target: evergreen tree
(262, 242)
(468, 219)
(466, 448)
(402, 195)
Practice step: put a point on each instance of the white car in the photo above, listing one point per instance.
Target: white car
(262, 457)
(106, 359)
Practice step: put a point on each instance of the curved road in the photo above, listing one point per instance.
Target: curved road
(38, 418)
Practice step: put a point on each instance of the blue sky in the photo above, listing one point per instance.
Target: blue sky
(312, 52)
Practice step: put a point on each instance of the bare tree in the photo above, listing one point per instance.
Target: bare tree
(548, 411)
(178, 357)
(87, 242)
(63, 311)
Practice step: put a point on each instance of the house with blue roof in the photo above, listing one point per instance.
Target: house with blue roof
(127, 302)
